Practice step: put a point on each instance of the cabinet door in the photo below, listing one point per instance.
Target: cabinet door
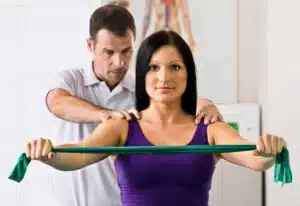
(234, 185)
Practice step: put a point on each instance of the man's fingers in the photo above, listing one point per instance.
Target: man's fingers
(207, 118)
(126, 115)
(214, 118)
(123, 114)
(221, 117)
(210, 114)
(135, 113)
(117, 114)
(199, 117)
(106, 116)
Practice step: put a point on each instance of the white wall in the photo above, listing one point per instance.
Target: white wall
(9, 122)
(269, 74)
(250, 36)
(215, 54)
(283, 87)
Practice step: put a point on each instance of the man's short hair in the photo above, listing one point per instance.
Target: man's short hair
(115, 19)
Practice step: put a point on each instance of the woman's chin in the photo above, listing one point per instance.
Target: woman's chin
(167, 100)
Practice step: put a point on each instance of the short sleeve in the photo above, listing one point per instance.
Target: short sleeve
(62, 80)
(71, 80)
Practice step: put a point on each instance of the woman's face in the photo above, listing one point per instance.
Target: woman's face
(166, 79)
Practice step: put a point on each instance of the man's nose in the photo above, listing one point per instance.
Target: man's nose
(118, 60)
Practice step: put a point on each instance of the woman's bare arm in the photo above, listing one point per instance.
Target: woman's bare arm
(221, 134)
(109, 133)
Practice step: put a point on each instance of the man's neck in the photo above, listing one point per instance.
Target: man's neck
(110, 85)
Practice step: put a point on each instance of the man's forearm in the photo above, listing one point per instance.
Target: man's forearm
(74, 109)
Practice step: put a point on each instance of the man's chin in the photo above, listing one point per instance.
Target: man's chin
(117, 77)
(115, 81)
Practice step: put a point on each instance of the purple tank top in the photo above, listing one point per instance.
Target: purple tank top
(161, 180)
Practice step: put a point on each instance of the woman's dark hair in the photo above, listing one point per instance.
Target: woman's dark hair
(148, 47)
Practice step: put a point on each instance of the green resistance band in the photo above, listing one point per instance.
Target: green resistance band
(282, 171)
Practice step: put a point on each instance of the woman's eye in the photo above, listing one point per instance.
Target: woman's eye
(153, 67)
(175, 67)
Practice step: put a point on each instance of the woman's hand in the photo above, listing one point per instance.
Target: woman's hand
(39, 149)
(270, 145)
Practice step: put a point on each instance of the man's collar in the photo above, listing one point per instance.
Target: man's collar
(90, 78)
(128, 82)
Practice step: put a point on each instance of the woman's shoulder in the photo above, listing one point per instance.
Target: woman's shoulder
(116, 126)
(115, 122)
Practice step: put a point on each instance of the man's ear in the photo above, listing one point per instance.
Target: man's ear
(90, 45)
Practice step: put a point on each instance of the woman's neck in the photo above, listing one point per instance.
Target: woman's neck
(164, 114)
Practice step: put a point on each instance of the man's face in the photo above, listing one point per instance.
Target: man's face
(112, 56)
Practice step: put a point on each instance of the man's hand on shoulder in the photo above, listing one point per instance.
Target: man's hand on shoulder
(208, 111)
(121, 114)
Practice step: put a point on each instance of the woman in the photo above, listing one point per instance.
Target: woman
(166, 96)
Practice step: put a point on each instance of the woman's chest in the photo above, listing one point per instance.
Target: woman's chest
(172, 135)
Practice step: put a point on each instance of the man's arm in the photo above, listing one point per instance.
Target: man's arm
(65, 106)
(61, 101)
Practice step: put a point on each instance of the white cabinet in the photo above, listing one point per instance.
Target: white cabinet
(234, 185)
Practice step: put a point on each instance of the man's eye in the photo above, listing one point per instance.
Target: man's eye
(127, 52)
(108, 52)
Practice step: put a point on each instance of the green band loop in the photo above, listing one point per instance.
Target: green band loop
(282, 171)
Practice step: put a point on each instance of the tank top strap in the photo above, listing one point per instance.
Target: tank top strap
(200, 135)
(135, 135)
(131, 124)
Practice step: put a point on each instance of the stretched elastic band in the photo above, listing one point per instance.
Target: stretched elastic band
(282, 171)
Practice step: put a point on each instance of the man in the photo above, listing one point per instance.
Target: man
(81, 98)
